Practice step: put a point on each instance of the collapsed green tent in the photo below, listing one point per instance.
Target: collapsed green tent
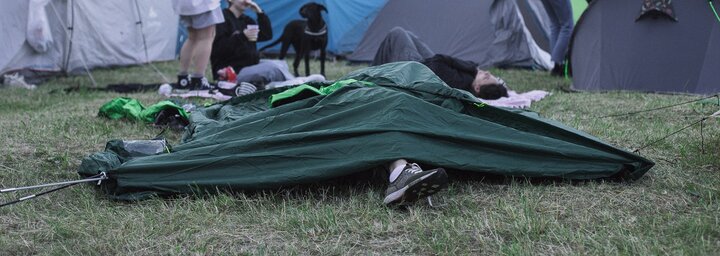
(408, 113)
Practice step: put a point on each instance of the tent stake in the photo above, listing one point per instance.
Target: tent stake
(100, 178)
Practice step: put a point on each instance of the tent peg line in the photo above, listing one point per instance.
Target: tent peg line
(701, 121)
(671, 134)
(655, 109)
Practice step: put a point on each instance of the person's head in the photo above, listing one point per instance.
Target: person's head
(486, 86)
(239, 5)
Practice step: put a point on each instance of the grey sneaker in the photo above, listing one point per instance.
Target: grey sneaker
(414, 183)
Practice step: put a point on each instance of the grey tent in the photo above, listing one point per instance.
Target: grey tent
(87, 34)
(612, 49)
(491, 33)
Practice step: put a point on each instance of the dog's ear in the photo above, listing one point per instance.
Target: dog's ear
(304, 10)
(322, 8)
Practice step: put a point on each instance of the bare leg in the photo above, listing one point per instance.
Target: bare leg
(203, 47)
(186, 51)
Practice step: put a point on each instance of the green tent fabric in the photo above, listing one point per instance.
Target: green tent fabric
(123, 107)
(411, 113)
(306, 91)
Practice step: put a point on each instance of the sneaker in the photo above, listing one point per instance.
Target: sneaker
(558, 70)
(200, 83)
(16, 80)
(413, 183)
(233, 89)
(183, 82)
(244, 88)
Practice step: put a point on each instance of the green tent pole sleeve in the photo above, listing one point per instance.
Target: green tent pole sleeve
(714, 11)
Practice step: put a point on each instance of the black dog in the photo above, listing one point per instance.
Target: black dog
(305, 36)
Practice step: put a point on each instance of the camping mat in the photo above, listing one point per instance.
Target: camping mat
(245, 144)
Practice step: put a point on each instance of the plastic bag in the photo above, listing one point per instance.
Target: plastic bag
(38, 28)
(145, 147)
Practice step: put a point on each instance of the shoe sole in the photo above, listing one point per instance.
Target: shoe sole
(423, 187)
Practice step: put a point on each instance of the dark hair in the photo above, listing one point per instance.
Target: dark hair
(492, 91)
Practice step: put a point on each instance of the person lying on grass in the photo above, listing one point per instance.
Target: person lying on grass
(402, 45)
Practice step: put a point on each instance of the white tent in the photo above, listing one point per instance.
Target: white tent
(88, 34)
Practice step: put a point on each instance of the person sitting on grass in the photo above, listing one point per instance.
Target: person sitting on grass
(235, 45)
(402, 45)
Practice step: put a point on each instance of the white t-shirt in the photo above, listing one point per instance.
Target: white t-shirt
(192, 7)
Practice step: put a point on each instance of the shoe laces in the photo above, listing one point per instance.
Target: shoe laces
(414, 168)
(205, 84)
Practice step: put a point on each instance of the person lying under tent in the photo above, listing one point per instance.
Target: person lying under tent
(375, 116)
(403, 45)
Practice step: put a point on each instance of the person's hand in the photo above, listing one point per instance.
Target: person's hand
(251, 34)
(221, 74)
(253, 5)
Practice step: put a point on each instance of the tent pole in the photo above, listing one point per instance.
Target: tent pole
(100, 178)
(69, 37)
(142, 33)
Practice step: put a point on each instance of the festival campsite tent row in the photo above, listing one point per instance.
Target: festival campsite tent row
(87, 34)
(244, 143)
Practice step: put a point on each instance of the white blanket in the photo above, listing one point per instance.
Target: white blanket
(518, 100)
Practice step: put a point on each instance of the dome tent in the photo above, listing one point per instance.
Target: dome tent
(491, 33)
(615, 48)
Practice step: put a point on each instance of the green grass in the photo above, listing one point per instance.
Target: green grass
(674, 209)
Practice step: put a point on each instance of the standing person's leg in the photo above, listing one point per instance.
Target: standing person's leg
(401, 45)
(565, 15)
(202, 48)
(186, 52)
(198, 48)
(561, 15)
(554, 24)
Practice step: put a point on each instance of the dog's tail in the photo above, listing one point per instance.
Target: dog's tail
(271, 44)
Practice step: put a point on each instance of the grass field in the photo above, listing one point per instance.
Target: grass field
(674, 209)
